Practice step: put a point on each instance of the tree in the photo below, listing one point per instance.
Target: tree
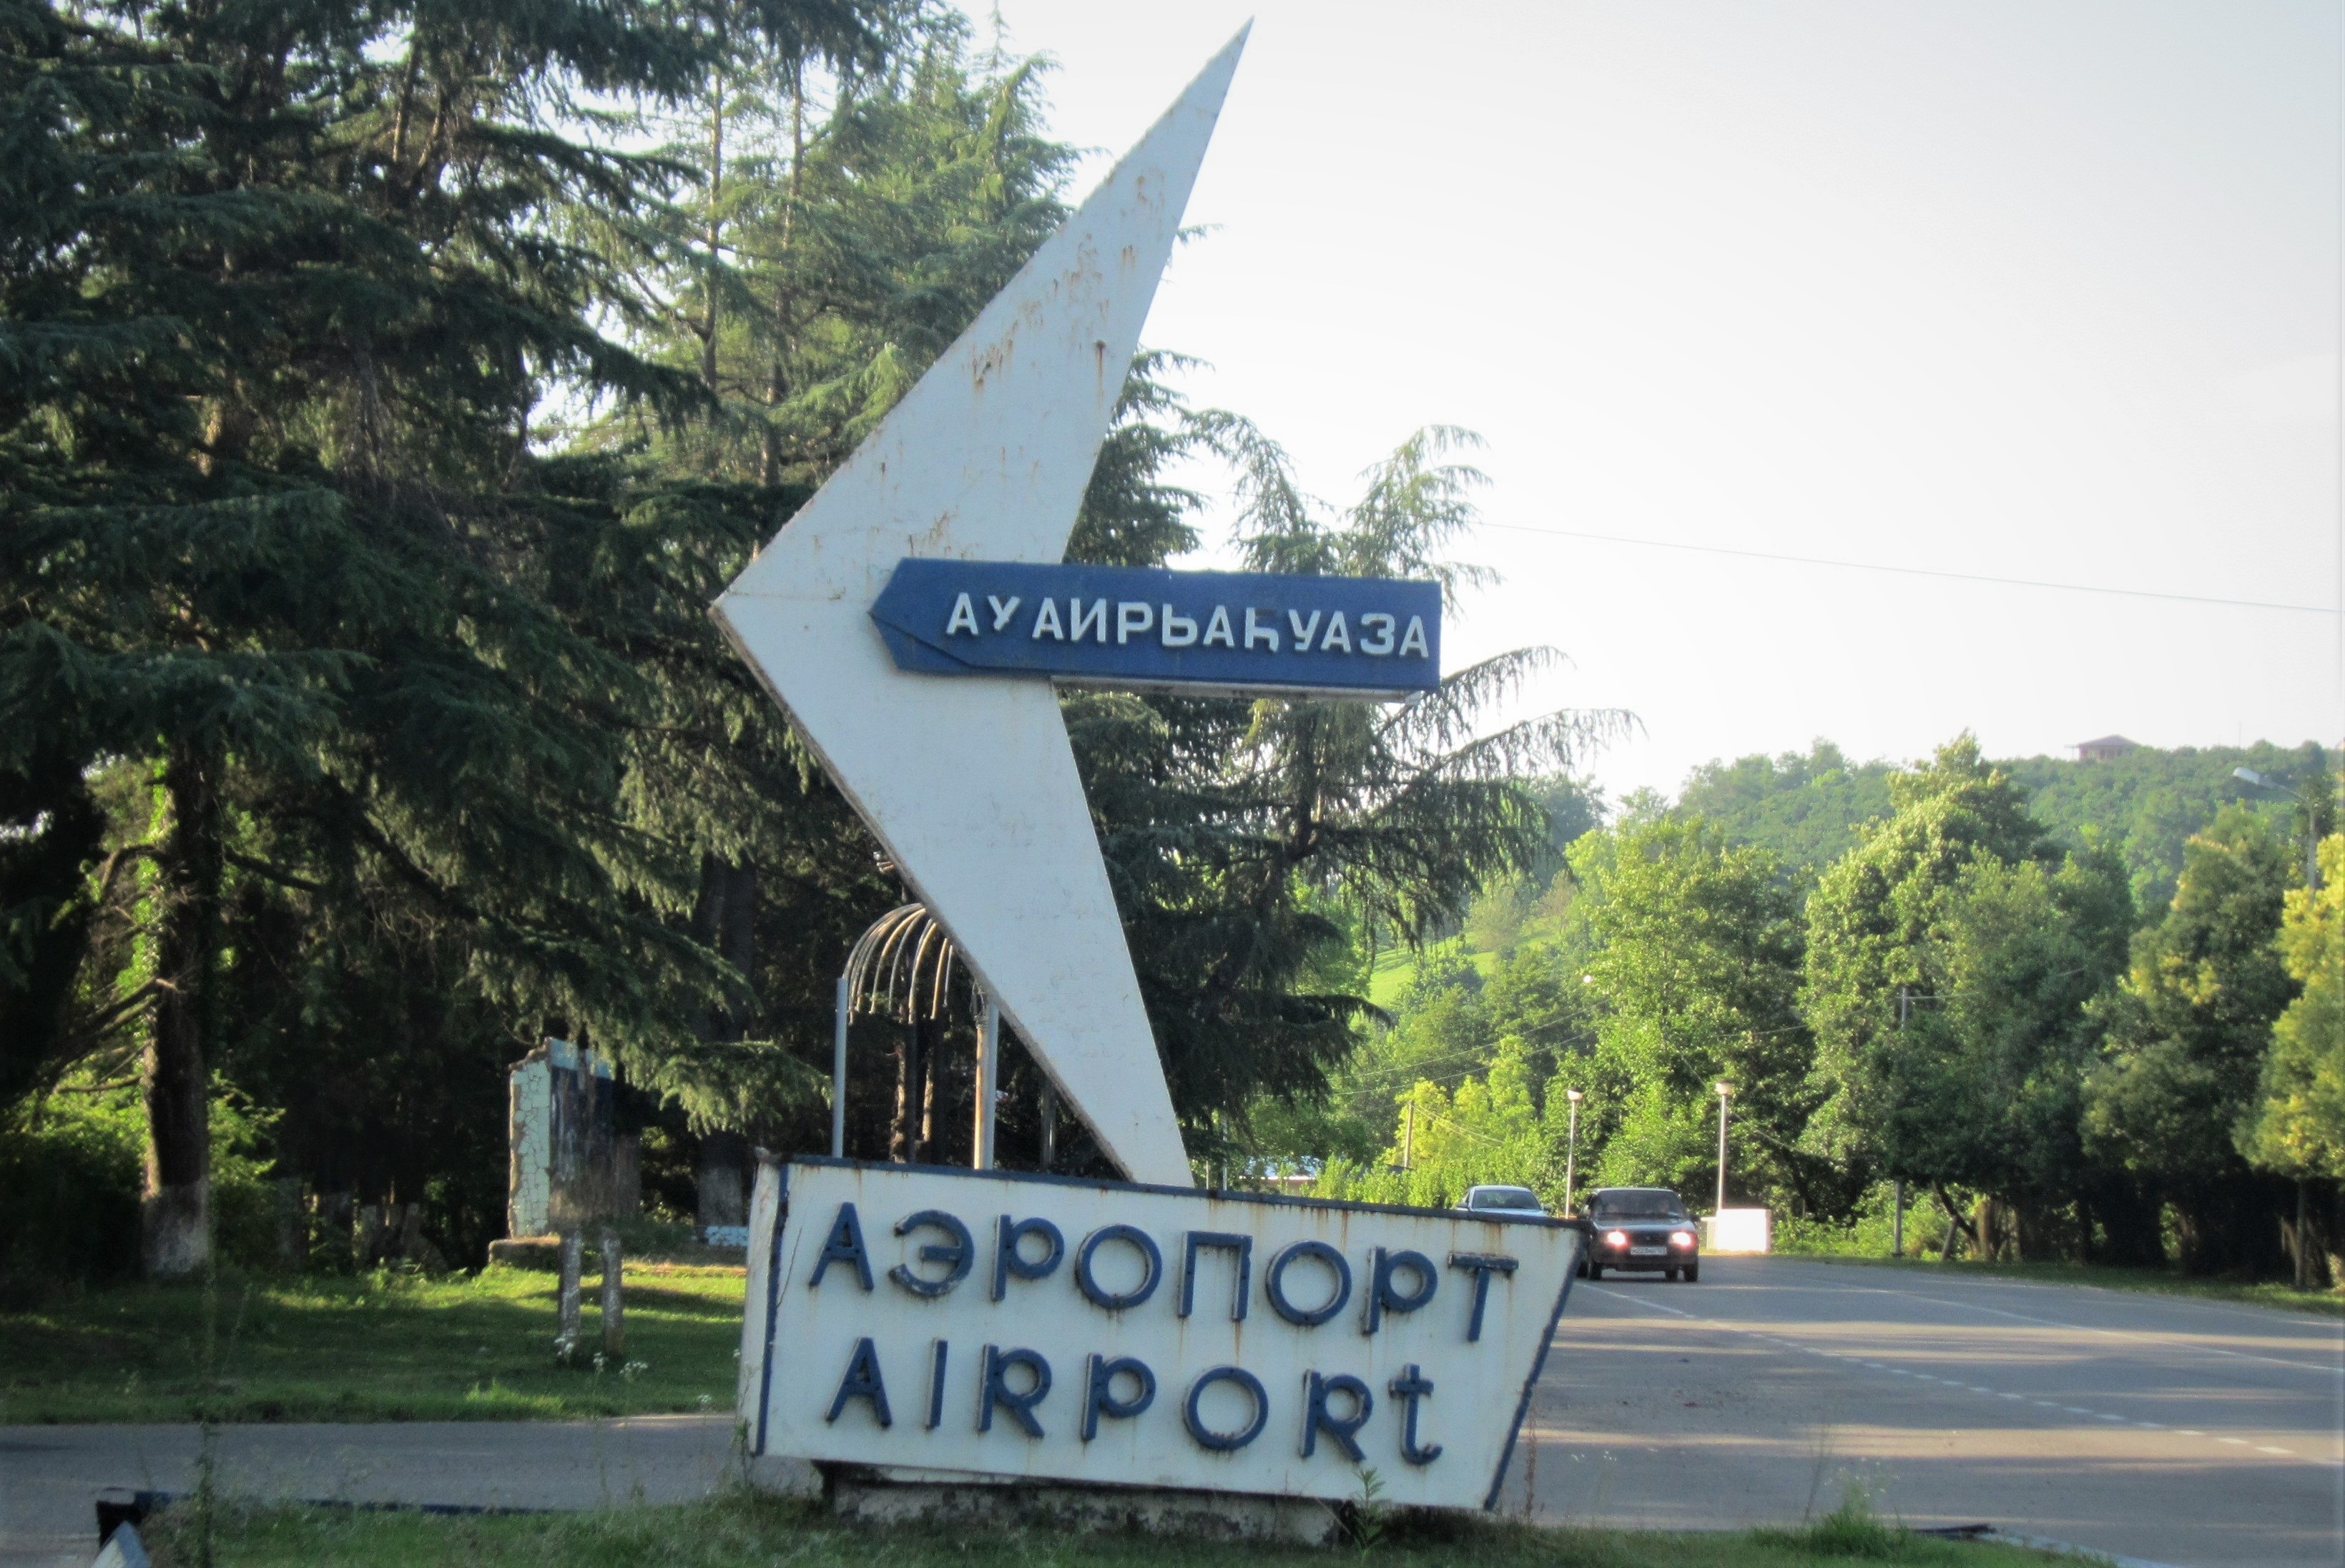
(2298, 1123)
(1950, 959)
(282, 289)
(2297, 1128)
(1696, 971)
(2146, 803)
(1808, 811)
(1228, 827)
(2188, 1034)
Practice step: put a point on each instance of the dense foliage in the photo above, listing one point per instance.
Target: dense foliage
(1931, 979)
(391, 389)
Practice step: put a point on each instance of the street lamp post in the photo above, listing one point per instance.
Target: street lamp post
(1571, 1150)
(1725, 1092)
(2250, 777)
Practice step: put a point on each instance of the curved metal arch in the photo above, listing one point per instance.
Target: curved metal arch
(902, 967)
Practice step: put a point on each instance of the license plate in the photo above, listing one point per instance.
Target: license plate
(1649, 1251)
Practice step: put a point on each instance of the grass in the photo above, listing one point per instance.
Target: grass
(2157, 1281)
(1395, 968)
(380, 1347)
(728, 1530)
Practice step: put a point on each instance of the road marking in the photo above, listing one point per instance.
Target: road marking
(2335, 1371)
(1931, 1378)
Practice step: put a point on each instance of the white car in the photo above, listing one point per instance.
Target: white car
(1503, 1200)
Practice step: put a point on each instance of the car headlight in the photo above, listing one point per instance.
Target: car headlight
(1616, 1238)
(1681, 1237)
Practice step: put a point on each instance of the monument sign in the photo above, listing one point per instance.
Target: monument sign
(1045, 1327)
(913, 620)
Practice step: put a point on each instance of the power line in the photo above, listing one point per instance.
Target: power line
(1918, 571)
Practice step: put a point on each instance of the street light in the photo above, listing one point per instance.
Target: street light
(2311, 819)
(1571, 1150)
(1725, 1092)
(2255, 780)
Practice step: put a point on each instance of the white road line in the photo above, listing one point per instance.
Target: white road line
(1931, 1378)
(2335, 1371)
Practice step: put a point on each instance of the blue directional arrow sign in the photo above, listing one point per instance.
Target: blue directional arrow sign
(1142, 628)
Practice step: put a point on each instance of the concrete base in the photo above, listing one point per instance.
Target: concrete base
(906, 1497)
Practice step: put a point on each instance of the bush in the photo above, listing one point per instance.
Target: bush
(71, 1171)
(69, 1193)
(1867, 1232)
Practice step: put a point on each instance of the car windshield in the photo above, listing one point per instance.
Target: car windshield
(1638, 1206)
(1502, 1198)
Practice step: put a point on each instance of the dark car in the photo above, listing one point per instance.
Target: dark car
(1635, 1228)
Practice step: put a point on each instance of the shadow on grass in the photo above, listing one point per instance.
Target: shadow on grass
(380, 1347)
(745, 1527)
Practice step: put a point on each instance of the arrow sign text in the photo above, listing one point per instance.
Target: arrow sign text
(1152, 629)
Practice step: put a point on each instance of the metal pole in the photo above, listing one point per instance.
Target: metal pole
(1571, 1154)
(1408, 1136)
(2303, 1258)
(2312, 891)
(1897, 1227)
(989, 1067)
(838, 1073)
(1721, 1153)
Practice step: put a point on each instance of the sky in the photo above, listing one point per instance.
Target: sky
(2046, 291)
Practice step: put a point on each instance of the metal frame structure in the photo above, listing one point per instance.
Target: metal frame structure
(905, 955)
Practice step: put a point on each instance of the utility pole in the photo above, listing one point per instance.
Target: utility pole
(1725, 1091)
(1897, 1220)
(1571, 1151)
(1408, 1136)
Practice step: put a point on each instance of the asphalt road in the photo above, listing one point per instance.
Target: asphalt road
(50, 1475)
(2153, 1428)
(2158, 1428)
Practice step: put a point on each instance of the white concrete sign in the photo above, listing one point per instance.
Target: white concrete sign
(970, 782)
(1041, 1327)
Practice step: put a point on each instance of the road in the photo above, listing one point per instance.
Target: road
(2159, 1428)
(50, 1475)
(2155, 1428)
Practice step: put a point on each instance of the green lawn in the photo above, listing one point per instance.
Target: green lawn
(1397, 966)
(2160, 1281)
(727, 1531)
(386, 1347)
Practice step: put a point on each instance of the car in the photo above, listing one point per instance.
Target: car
(1503, 1200)
(1642, 1228)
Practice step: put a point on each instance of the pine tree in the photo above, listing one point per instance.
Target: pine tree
(282, 289)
